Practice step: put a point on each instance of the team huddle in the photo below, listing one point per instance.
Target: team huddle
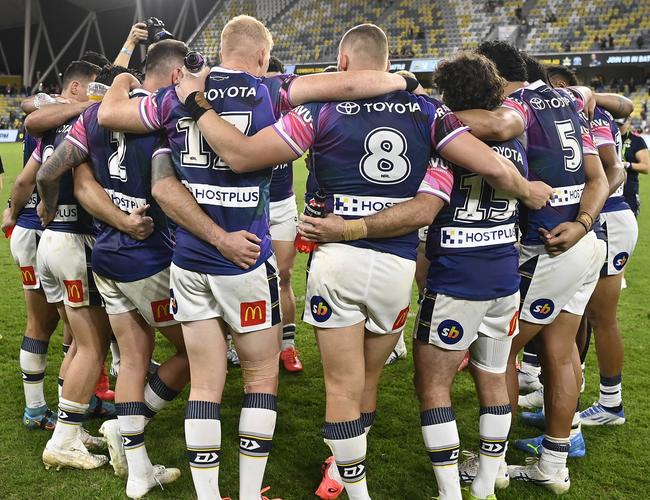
(165, 202)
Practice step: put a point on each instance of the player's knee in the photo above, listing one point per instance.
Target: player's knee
(41, 328)
(261, 375)
(285, 276)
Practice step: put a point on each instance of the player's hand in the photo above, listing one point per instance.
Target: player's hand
(7, 220)
(139, 225)
(137, 34)
(124, 80)
(329, 229)
(191, 82)
(562, 237)
(539, 195)
(44, 214)
(240, 247)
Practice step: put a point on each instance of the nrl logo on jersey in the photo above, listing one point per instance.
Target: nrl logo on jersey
(219, 78)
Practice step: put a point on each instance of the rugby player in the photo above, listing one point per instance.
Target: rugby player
(621, 232)
(137, 299)
(283, 223)
(357, 322)
(224, 274)
(42, 317)
(62, 267)
(637, 161)
(557, 241)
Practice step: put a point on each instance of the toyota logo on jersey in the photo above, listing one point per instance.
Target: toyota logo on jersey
(348, 108)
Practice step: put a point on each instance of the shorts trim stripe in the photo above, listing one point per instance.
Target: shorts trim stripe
(272, 276)
(526, 271)
(426, 313)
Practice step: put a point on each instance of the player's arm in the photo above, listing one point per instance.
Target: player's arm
(21, 192)
(346, 86)
(472, 154)
(614, 170)
(98, 203)
(51, 116)
(618, 105)
(501, 124)
(397, 220)
(65, 157)
(240, 247)
(565, 235)
(642, 164)
(137, 34)
(118, 111)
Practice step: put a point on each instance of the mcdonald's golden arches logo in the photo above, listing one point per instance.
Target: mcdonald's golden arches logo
(252, 313)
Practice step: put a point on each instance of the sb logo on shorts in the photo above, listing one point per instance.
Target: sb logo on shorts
(450, 331)
(542, 308)
(173, 305)
(320, 309)
(620, 260)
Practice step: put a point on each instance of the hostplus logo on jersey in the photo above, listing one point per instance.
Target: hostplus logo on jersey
(450, 331)
(542, 308)
(320, 309)
(620, 260)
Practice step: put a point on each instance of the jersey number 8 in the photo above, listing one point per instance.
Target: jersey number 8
(385, 161)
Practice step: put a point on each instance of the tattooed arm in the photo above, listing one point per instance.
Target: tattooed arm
(619, 106)
(65, 157)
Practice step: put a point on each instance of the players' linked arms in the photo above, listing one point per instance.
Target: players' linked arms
(614, 170)
(118, 111)
(98, 203)
(65, 157)
(618, 105)
(240, 247)
(23, 188)
(472, 154)
(397, 220)
(51, 116)
(344, 86)
(501, 124)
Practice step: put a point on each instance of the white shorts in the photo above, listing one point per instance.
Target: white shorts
(64, 266)
(550, 285)
(284, 219)
(247, 302)
(484, 326)
(347, 285)
(24, 244)
(148, 296)
(622, 232)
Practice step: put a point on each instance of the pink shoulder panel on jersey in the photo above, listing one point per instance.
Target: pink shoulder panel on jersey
(150, 113)
(438, 180)
(588, 144)
(78, 136)
(445, 127)
(518, 106)
(602, 134)
(297, 129)
(285, 95)
(36, 154)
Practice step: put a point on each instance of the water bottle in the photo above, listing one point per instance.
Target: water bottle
(315, 207)
(194, 61)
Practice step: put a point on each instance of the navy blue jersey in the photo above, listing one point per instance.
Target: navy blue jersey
(70, 215)
(233, 201)
(632, 144)
(28, 218)
(122, 165)
(370, 154)
(555, 142)
(282, 179)
(471, 243)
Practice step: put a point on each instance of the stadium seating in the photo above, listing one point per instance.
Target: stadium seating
(8, 105)
(308, 30)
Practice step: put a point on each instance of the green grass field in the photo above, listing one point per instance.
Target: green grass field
(399, 468)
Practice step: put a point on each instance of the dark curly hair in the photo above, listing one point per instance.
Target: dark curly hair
(563, 73)
(535, 69)
(110, 71)
(469, 81)
(507, 59)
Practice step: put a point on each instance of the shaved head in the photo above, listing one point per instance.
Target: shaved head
(364, 47)
(245, 36)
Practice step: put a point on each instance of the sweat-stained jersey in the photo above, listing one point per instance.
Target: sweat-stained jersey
(234, 201)
(70, 215)
(555, 145)
(122, 165)
(28, 218)
(282, 179)
(370, 154)
(471, 243)
(606, 133)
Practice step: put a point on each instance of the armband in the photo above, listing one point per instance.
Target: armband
(126, 51)
(411, 83)
(586, 220)
(197, 105)
(355, 230)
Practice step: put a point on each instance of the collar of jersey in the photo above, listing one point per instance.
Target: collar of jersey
(139, 92)
(535, 85)
(224, 70)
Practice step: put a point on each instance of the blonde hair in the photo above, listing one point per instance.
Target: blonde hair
(366, 41)
(245, 34)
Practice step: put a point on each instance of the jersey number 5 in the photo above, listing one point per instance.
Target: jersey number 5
(570, 145)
